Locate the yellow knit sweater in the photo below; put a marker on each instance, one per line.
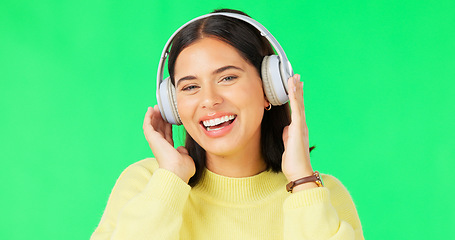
(152, 203)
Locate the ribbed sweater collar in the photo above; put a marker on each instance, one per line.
(240, 190)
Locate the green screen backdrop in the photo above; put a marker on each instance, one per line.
(77, 78)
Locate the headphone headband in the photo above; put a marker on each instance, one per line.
(285, 68)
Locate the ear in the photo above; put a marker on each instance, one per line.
(266, 102)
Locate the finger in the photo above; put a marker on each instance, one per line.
(295, 101)
(146, 126)
(158, 123)
(301, 95)
(293, 91)
(182, 150)
(302, 101)
(285, 135)
(148, 114)
(168, 133)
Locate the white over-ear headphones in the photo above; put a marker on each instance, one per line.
(275, 69)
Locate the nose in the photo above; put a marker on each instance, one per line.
(210, 97)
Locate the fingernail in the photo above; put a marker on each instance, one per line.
(294, 89)
(298, 77)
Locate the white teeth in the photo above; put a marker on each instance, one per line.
(216, 121)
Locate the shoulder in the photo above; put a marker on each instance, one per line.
(342, 201)
(339, 194)
(145, 165)
(334, 185)
(136, 175)
(129, 184)
(331, 181)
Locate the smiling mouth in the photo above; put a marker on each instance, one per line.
(218, 123)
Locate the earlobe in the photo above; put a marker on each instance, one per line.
(266, 102)
(267, 105)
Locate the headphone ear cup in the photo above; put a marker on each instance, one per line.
(272, 82)
(168, 102)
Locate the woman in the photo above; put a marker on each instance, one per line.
(229, 181)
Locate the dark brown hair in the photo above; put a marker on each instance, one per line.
(252, 47)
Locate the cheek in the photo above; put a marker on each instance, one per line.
(251, 94)
(186, 107)
(250, 103)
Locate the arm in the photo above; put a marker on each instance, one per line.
(312, 212)
(148, 198)
(322, 213)
(144, 204)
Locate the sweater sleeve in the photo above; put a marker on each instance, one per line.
(146, 203)
(322, 213)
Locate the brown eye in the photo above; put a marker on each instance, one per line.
(189, 88)
(229, 78)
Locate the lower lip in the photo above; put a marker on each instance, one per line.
(219, 132)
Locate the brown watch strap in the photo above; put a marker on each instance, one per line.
(313, 178)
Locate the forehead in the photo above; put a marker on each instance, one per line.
(206, 54)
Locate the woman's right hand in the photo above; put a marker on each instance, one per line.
(159, 136)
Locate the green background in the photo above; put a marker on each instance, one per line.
(78, 76)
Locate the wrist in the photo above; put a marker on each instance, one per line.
(299, 174)
(304, 186)
(181, 174)
(309, 181)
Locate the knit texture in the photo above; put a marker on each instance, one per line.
(152, 203)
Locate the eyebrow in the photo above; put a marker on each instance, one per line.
(217, 71)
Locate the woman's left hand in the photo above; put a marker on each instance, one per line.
(296, 157)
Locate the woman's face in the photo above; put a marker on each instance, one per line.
(220, 98)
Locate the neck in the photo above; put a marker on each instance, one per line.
(242, 164)
(227, 190)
